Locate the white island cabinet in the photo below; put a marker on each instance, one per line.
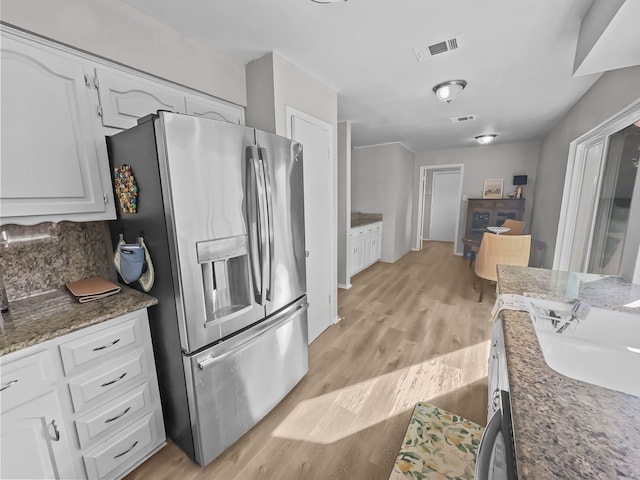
(84, 405)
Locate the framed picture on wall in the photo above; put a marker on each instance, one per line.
(492, 188)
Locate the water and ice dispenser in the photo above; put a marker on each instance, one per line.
(225, 278)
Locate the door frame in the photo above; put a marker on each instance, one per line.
(572, 183)
(421, 189)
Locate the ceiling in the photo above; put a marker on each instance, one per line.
(517, 58)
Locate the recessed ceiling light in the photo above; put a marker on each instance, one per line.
(484, 139)
(449, 90)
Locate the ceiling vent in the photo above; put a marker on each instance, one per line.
(424, 53)
(463, 118)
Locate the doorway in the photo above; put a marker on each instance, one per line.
(316, 138)
(439, 202)
(444, 206)
(599, 228)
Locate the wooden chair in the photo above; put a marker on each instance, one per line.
(500, 250)
(516, 227)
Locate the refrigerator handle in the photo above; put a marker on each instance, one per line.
(253, 214)
(265, 162)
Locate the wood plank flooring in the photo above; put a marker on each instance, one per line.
(410, 331)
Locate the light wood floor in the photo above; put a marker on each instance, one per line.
(410, 331)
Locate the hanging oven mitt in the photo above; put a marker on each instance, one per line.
(129, 260)
(147, 279)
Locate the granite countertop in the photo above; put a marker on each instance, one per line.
(565, 428)
(43, 317)
(359, 218)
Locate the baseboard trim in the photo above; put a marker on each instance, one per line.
(344, 287)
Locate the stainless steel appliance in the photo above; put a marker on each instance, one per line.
(496, 458)
(220, 208)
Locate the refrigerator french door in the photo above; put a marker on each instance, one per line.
(220, 208)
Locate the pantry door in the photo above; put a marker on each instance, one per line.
(316, 138)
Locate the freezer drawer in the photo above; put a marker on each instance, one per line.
(237, 382)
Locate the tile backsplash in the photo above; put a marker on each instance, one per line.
(45, 257)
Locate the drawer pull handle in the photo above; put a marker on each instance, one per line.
(55, 431)
(127, 450)
(112, 419)
(107, 345)
(10, 384)
(114, 380)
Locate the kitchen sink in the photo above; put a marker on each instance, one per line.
(593, 345)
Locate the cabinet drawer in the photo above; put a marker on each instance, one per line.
(23, 379)
(101, 344)
(115, 415)
(122, 448)
(98, 382)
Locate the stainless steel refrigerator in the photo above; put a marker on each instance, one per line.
(220, 208)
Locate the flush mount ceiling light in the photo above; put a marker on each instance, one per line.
(447, 91)
(484, 139)
(328, 1)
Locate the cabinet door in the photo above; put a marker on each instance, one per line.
(125, 98)
(49, 155)
(34, 443)
(216, 110)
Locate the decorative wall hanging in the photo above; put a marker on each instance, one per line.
(126, 188)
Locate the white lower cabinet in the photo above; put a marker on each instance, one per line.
(34, 442)
(365, 247)
(84, 405)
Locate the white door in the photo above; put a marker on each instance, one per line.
(444, 206)
(316, 142)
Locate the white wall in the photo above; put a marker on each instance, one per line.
(482, 162)
(610, 94)
(381, 179)
(273, 84)
(118, 32)
(261, 110)
(344, 200)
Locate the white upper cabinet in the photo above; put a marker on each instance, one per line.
(125, 98)
(50, 166)
(212, 108)
(57, 107)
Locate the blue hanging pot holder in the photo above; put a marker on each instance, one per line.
(131, 261)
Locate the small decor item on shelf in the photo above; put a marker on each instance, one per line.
(518, 182)
(492, 188)
(498, 230)
(126, 188)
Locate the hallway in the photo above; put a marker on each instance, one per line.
(410, 331)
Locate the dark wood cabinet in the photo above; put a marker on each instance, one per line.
(482, 213)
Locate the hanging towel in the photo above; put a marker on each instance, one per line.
(147, 278)
(509, 301)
